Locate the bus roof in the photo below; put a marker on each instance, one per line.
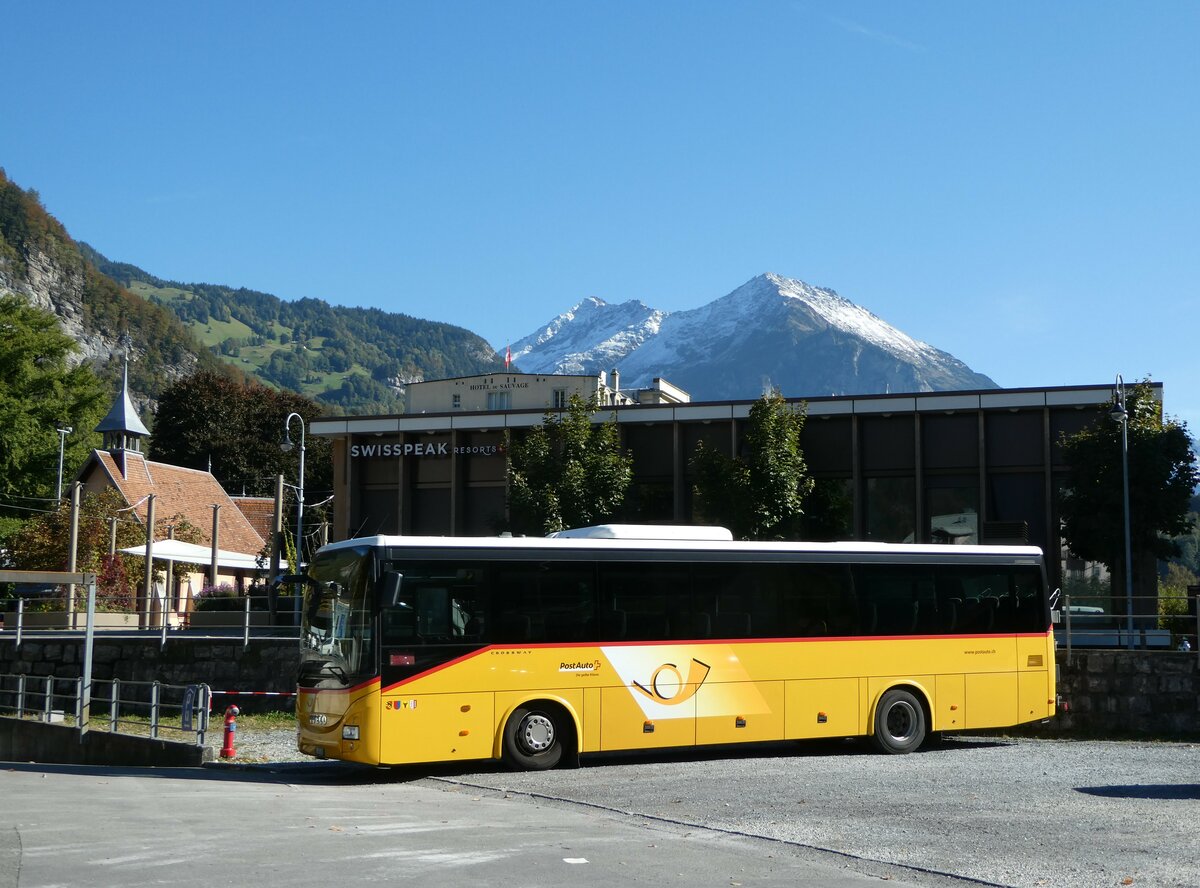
(678, 543)
(660, 532)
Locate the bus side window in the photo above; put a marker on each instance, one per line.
(433, 611)
(398, 624)
(889, 607)
(399, 615)
(1030, 611)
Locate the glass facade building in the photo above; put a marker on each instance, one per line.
(952, 468)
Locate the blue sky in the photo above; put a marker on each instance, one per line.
(1014, 183)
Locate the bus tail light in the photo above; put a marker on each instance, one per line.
(395, 659)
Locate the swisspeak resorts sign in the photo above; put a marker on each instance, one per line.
(435, 449)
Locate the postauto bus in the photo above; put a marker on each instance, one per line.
(537, 650)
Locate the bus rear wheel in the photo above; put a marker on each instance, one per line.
(533, 738)
(899, 723)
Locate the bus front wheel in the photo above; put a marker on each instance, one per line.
(533, 738)
(899, 722)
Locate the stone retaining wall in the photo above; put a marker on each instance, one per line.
(268, 664)
(1129, 693)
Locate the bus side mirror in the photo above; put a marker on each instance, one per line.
(391, 587)
(1054, 596)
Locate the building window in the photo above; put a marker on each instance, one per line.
(560, 399)
(499, 401)
(891, 509)
(952, 510)
(456, 401)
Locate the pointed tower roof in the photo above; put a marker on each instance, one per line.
(123, 416)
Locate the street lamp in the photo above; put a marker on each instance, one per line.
(63, 431)
(286, 445)
(1121, 415)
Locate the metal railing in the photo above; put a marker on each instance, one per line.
(142, 708)
(1162, 623)
(246, 615)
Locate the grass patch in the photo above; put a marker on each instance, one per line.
(264, 721)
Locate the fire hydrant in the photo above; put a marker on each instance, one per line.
(228, 751)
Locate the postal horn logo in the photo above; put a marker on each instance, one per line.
(667, 685)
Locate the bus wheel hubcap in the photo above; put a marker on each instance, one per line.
(900, 721)
(537, 733)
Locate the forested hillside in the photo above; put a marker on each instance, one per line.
(354, 360)
(41, 263)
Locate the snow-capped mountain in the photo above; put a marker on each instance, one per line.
(590, 337)
(771, 331)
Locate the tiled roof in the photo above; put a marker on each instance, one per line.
(259, 511)
(177, 491)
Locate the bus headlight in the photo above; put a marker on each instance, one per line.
(350, 732)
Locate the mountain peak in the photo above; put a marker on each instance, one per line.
(806, 340)
(587, 338)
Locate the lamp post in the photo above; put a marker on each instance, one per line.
(1120, 415)
(63, 431)
(286, 445)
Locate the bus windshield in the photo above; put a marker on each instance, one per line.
(336, 632)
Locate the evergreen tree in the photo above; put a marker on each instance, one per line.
(759, 495)
(567, 472)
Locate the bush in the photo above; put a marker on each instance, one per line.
(114, 592)
(219, 598)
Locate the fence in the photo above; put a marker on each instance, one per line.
(1139, 622)
(245, 615)
(148, 709)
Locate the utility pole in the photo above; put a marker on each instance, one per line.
(148, 585)
(276, 546)
(169, 593)
(73, 550)
(216, 529)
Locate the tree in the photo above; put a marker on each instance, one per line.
(41, 544)
(238, 426)
(38, 394)
(1173, 601)
(567, 472)
(1189, 543)
(1162, 476)
(759, 495)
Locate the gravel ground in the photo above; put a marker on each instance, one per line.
(1077, 814)
(256, 746)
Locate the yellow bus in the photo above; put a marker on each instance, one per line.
(536, 651)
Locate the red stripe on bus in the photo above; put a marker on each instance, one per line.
(448, 663)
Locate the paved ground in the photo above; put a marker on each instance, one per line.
(1069, 814)
(976, 811)
(322, 825)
